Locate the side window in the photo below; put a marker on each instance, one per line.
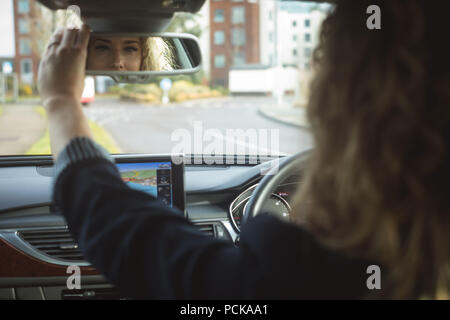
(24, 47)
(238, 15)
(238, 36)
(219, 37)
(24, 26)
(219, 61)
(219, 15)
(23, 6)
(239, 58)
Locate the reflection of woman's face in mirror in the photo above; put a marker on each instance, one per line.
(114, 53)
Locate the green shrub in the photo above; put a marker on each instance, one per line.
(114, 89)
(25, 90)
(141, 92)
(184, 90)
(181, 90)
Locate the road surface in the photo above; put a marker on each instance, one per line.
(141, 128)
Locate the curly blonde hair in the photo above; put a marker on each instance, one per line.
(377, 185)
(156, 54)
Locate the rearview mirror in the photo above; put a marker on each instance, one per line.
(137, 58)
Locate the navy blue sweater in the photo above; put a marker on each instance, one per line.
(151, 251)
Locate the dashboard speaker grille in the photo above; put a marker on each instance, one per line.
(57, 243)
(60, 244)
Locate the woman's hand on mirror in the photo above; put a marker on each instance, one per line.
(62, 68)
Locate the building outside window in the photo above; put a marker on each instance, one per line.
(26, 70)
(219, 37)
(239, 58)
(219, 61)
(238, 15)
(219, 15)
(26, 66)
(238, 36)
(24, 6)
(24, 47)
(307, 52)
(24, 26)
(307, 37)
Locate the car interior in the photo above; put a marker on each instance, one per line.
(216, 192)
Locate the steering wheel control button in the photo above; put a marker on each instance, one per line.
(237, 242)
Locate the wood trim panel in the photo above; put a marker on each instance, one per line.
(15, 263)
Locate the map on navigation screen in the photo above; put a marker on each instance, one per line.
(151, 177)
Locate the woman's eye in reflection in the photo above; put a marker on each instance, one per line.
(131, 49)
(101, 47)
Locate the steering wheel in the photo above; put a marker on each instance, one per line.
(286, 167)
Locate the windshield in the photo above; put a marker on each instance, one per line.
(249, 98)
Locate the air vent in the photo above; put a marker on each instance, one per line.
(57, 243)
(206, 228)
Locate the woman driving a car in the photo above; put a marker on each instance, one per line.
(374, 194)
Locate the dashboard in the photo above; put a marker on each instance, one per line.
(36, 245)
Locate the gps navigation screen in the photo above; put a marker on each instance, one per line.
(153, 178)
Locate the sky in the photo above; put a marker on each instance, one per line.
(6, 28)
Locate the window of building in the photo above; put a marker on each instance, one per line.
(270, 15)
(219, 61)
(307, 52)
(219, 15)
(294, 52)
(307, 23)
(307, 37)
(238, 15)
(24, 47)
(219, 37)
(24, 26)
(24, 6)
(294, 37)
(270, 36)
(26, 66)
(294, 23)
(239, 58)
(238, 36)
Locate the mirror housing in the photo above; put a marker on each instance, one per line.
(127, 16)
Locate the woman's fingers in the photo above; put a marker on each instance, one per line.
(83, 37)
(55, 40)
(69, 38)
